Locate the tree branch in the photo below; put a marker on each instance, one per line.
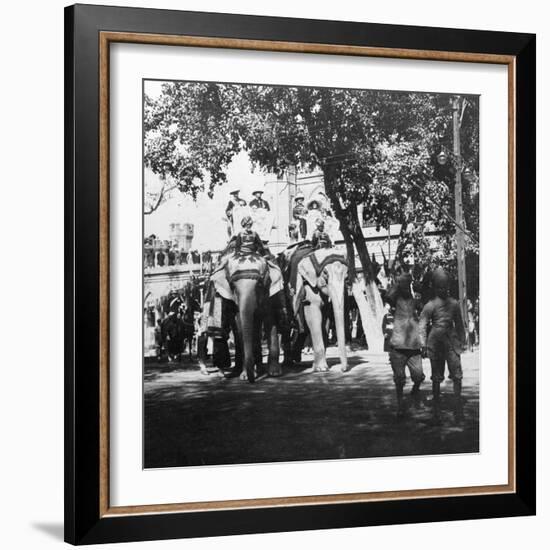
(160, 198)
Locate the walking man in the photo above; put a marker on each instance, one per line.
(445, 342)
(405, 343)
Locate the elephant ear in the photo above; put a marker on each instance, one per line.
(307, 271)
(220, 282)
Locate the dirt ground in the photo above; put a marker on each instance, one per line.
(194, 419)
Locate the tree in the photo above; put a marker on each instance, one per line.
(376, 148)
(189, 139)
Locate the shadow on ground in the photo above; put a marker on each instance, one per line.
(193, 419)
(53, 530)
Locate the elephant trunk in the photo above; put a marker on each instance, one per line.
(248, 305)
(337, 299)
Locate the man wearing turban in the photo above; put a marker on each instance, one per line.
(405, 345)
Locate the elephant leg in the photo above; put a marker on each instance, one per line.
(240, 351)
(297, 346)
(282, 321)
(258, 360)
(314, 320)
(249, 337)
(287, 350)
(229, 324)
(202, 352)
(326, 325)
(340, 333)
(273, 366)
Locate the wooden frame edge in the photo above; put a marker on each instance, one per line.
(301, 47)
(512, 402)
(311, 500)
(104, 270)
(105, 38)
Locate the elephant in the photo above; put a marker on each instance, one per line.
(255, 285)
(320, 274)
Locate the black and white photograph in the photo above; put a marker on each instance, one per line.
(310, 279)
(274, 275)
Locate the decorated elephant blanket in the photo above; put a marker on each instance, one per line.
(250, 266)
(309, 268)
(292, 257)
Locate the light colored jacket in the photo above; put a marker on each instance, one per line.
(405, 321)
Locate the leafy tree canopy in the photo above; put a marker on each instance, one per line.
(376, 148)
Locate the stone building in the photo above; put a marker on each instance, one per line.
(181, 235)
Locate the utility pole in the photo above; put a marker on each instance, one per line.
(457, 106)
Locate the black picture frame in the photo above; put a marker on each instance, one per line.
(84, 523)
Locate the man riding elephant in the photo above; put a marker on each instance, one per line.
(249, 278)
(248, 241)
(320, 238)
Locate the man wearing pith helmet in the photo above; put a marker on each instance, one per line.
(445, 342)
(299, 213)
(233, 201)
(258, 201)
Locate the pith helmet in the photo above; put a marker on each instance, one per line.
(313, 202)
(404, 279)
(299, 195)
(440, 277)
(257, 191)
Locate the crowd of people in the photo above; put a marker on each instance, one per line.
(157, 253)
(258, 209)
(176, 325)
(305, 220)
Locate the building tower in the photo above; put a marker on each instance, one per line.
(280, 192)
(182, 235)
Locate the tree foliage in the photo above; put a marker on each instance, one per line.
(376, 148)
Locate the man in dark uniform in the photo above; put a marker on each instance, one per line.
(158, 340)
(257, 201)
(299, 214)
(233, 201)
(172, 333)
(320, 238)
(445, 341)
(248, 241)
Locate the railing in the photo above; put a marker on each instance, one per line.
(161, 255)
